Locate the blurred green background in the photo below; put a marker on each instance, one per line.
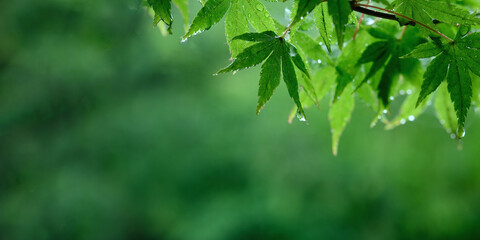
(108, 130)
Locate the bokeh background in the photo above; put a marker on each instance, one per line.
(109, 130)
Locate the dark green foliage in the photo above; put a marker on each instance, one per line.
(339, 10)
(162, 10)
(282, 57)
(378, 63)
(454, 62)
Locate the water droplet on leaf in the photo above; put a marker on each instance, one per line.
(301, 116)
(460, 132)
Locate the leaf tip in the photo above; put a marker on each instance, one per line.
(335, 149)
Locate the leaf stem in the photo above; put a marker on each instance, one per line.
(403, 32)
(410, 19)
(358, 27)
(287, 30)
(359, 24)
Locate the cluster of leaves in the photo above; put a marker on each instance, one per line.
(351, 49)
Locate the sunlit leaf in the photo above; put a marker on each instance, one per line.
(339, 116)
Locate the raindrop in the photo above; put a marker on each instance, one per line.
(460, 132)
(411, 118)
(260, 7)
(301, 116)
(409, 91)
(319, 61)
(385, 111)
(453, 136)
(402, 92)
(392, 98)
(403, 121)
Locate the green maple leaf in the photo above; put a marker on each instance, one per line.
(445, 110)
(453, 61)
(303, 8)
(239, 15)
(324, 23)
(211, 13)
(346, 66)
(340, 11)
(425, 11)
(162, 9)
(386, 54)
(339, 115)
(279, 58)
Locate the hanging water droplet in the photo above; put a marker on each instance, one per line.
(411, 118)
(260, 7)
(403, 121)
(301, 116)
(460, 132)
